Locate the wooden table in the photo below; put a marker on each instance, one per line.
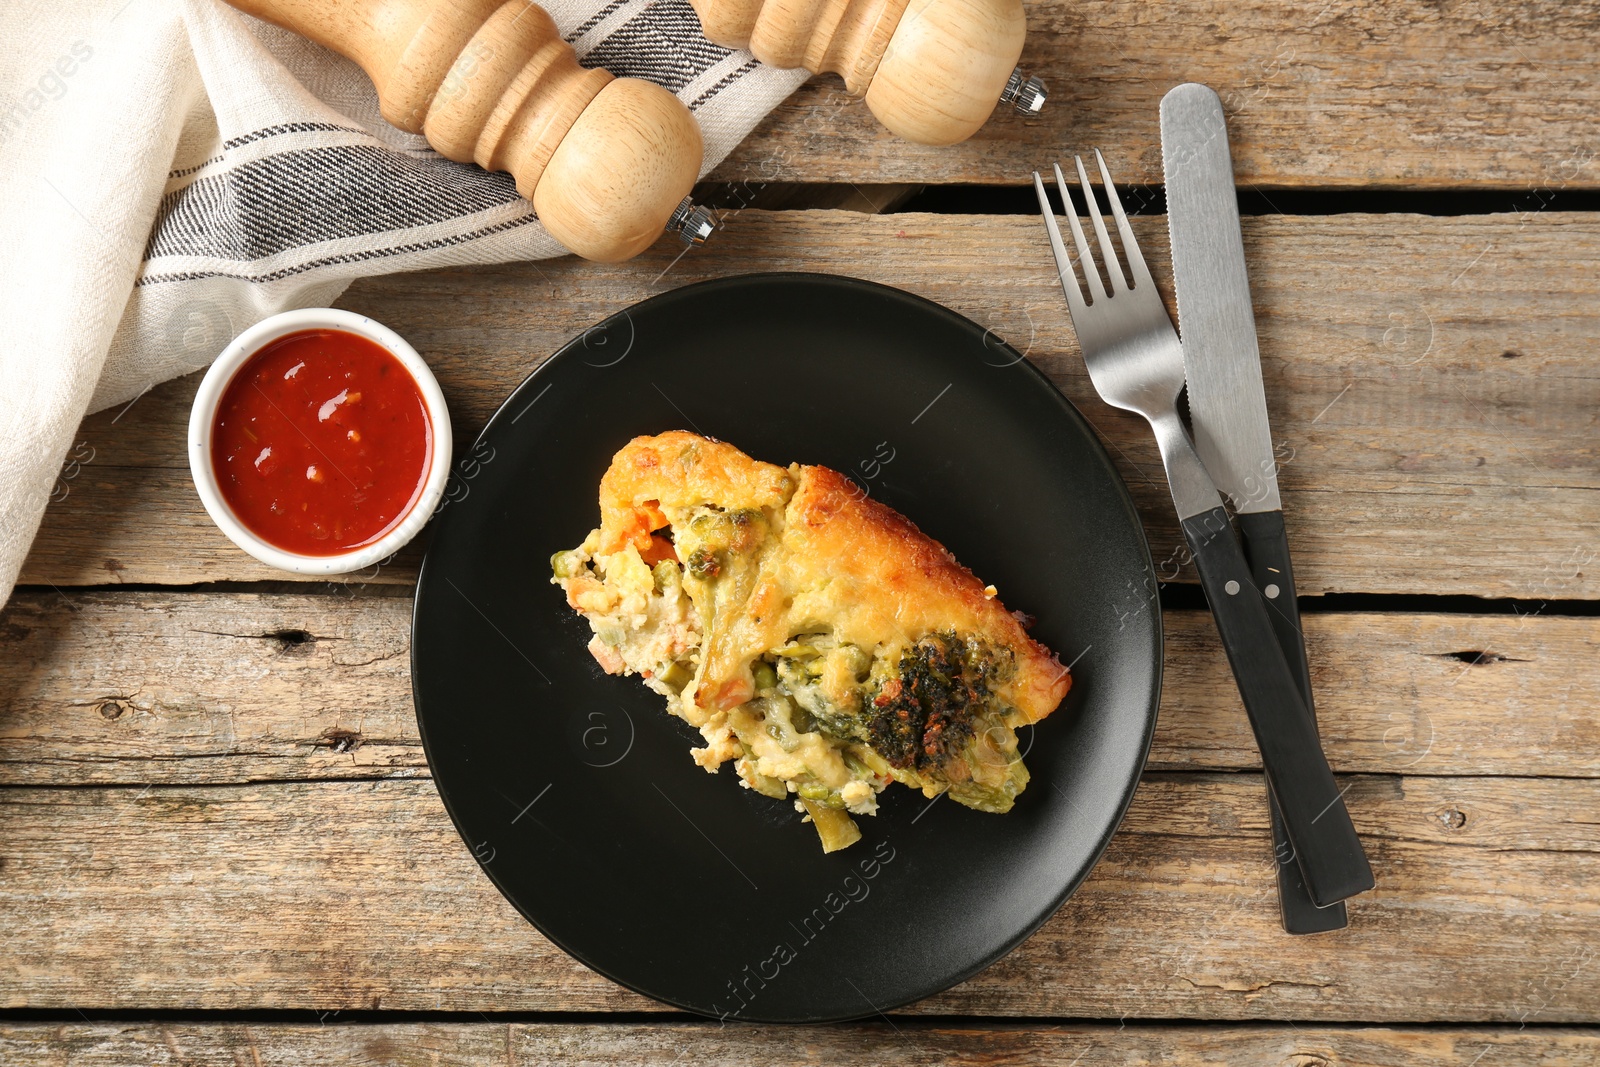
(219, 842)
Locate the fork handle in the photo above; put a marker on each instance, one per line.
(1319, 827)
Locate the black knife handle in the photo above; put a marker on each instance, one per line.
(1266, 546)
(1324, 839)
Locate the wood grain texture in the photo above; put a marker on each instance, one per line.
(360, 895)
(1343, 93)
(907, 1043)
(137, 688)
(1431, 383)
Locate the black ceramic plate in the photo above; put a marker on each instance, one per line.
(575, 790)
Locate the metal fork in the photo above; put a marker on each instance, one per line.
(1135, 361)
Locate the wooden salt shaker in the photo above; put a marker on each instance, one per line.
(932, 70)
(608, 162)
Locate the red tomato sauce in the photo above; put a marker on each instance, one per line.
(321, 443)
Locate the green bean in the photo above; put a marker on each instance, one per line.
(820, 794)
(676, 676)
(768, 786)
(803, 722)
(852, 761)
(766, 677)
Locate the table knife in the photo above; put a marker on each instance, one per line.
(1228, 409)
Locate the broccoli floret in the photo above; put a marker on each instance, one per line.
(925, 713)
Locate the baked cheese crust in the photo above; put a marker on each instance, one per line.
(814, 636)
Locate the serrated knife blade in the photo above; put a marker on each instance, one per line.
(1227, 403)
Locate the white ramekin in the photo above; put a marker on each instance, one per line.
(203, 416)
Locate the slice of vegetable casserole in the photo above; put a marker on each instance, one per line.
(815, 637)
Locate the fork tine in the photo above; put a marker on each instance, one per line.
(1091, 273)
(1069, 280)
(1114, 274)
(1136, 267)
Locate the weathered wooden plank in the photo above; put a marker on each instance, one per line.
(1431, 382)
(138, 688)
(142, 687)
(1342, 93)
(265, 896)
(903, 1043)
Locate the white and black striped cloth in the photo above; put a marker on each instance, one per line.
(172, 171)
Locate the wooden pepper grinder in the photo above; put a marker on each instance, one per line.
(931, 70)
(608, 162)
